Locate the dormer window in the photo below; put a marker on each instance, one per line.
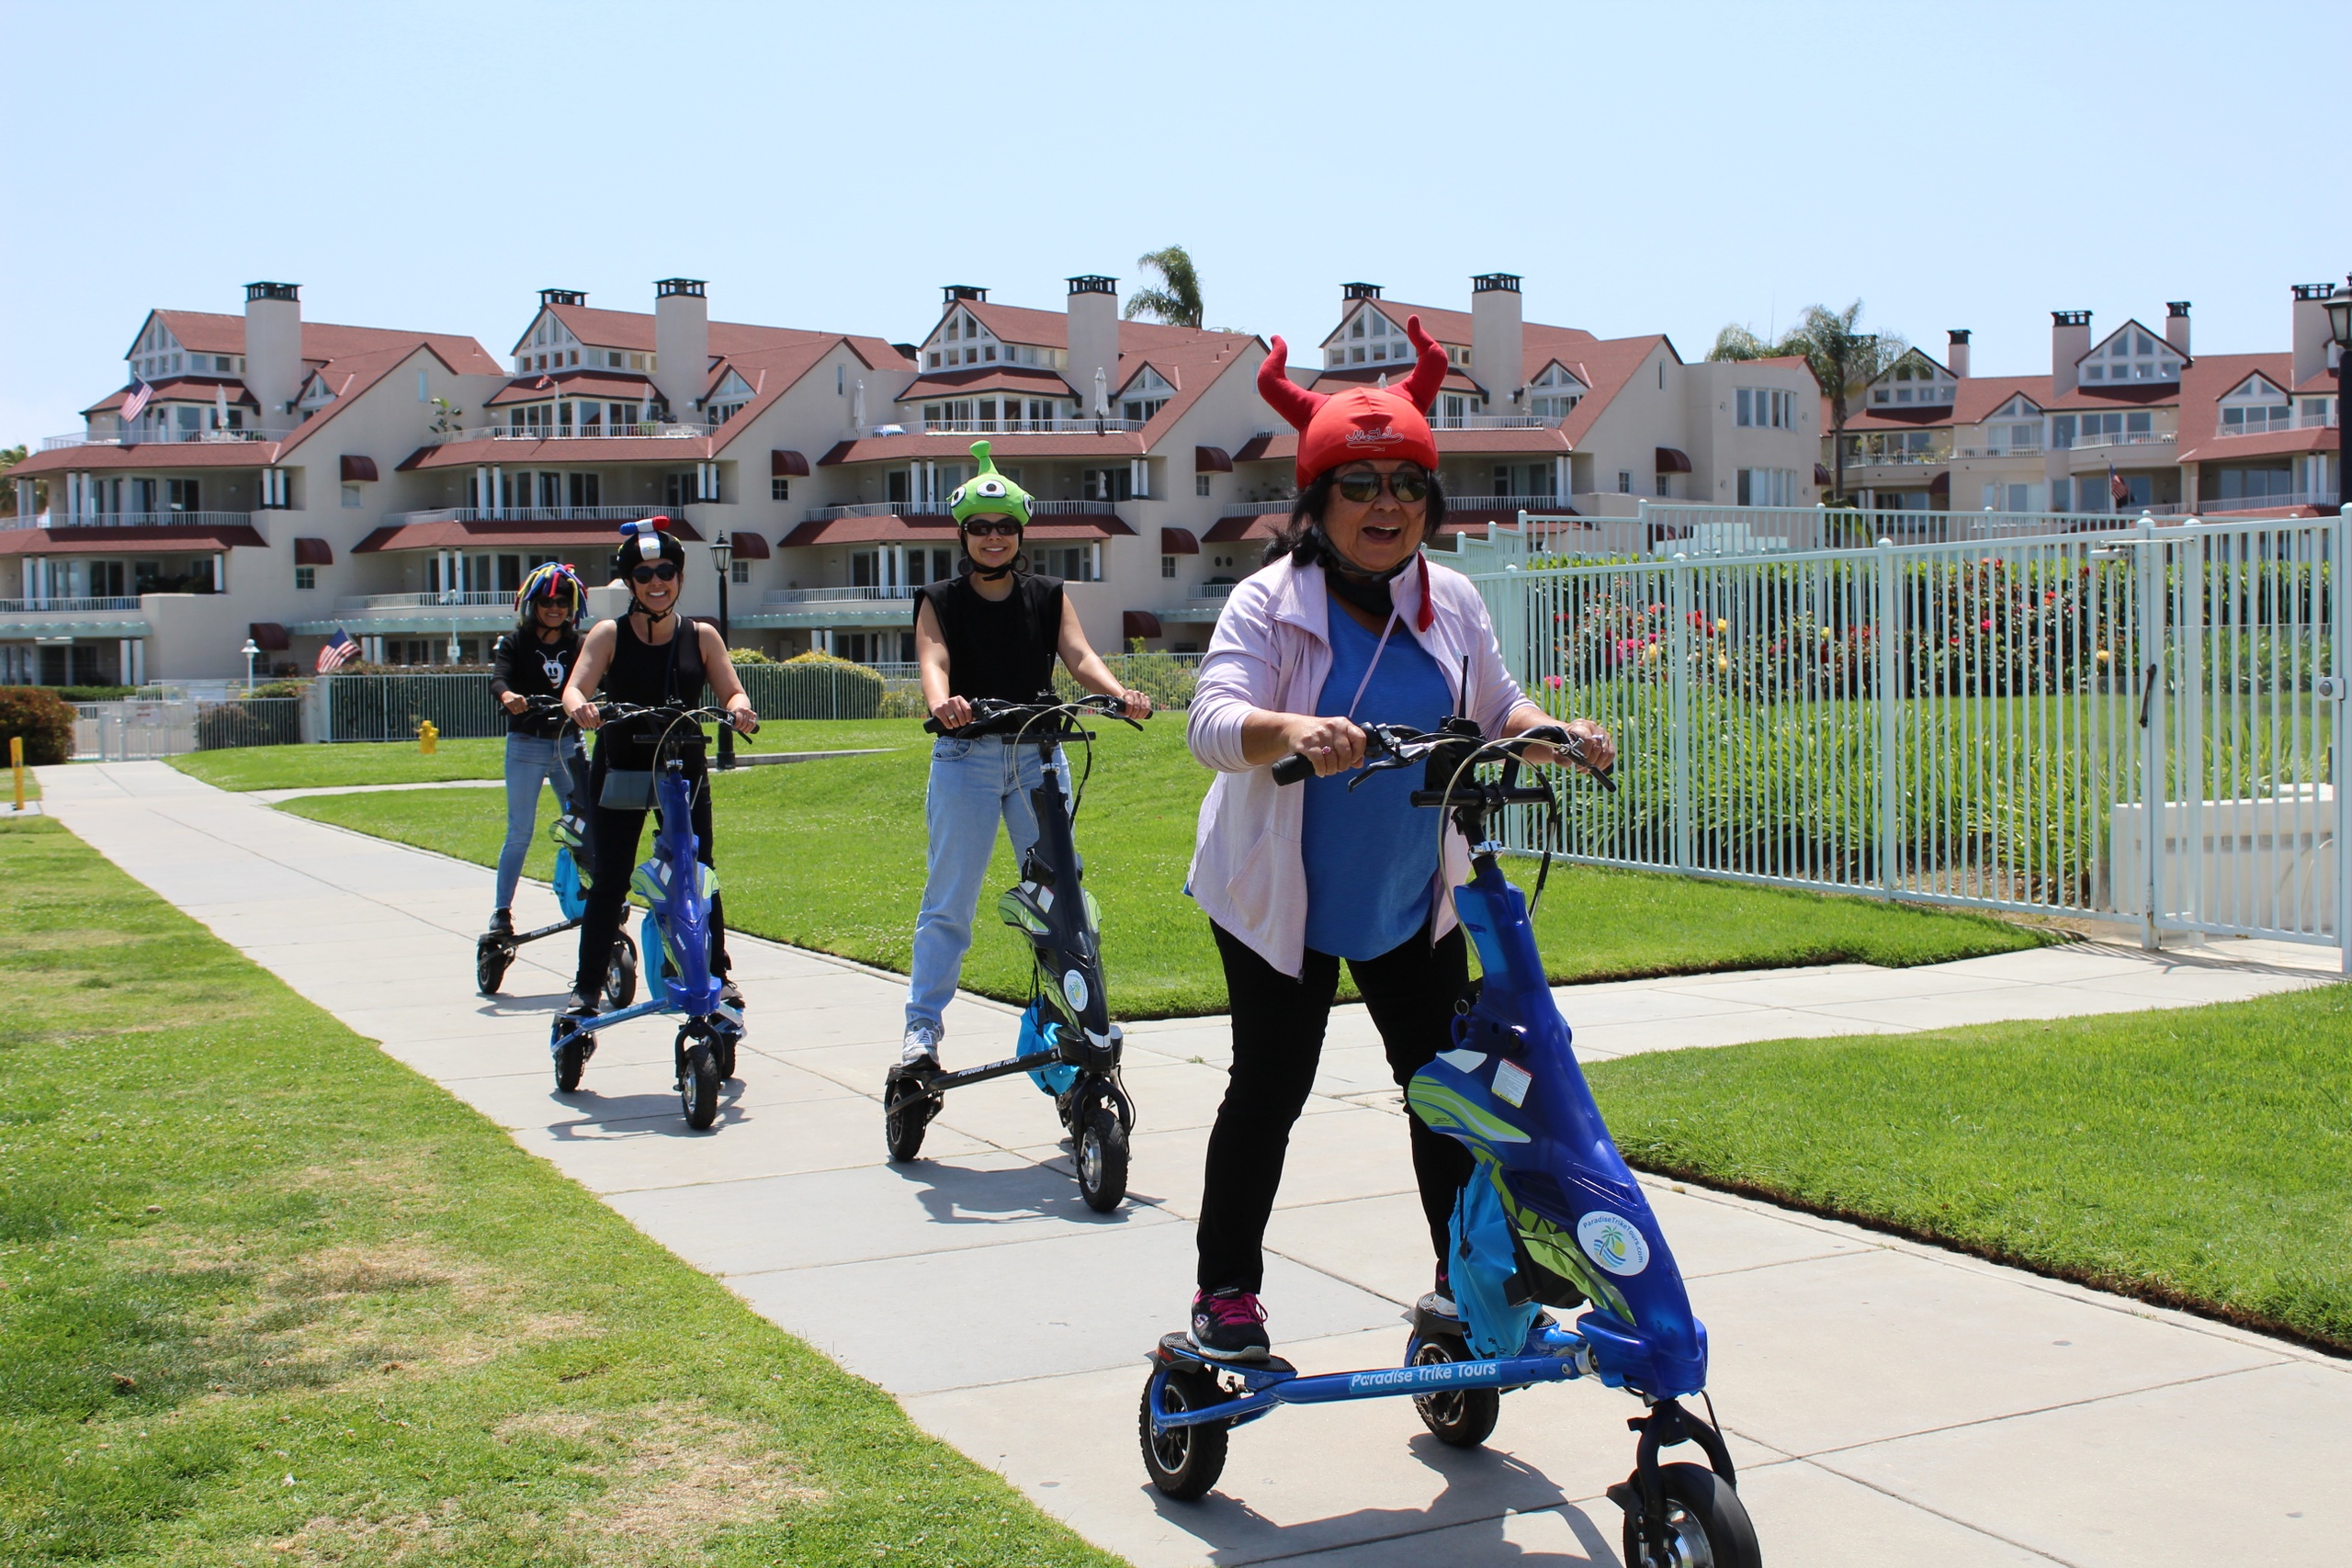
(2133, 354)
(1913, 379)
(2255, 407)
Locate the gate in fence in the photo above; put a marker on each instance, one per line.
(2141, 724)
(144, 729)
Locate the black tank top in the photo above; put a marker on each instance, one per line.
(649, 675)
(1001, 648)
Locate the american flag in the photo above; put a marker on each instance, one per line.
(338, 652)
(2119, 489)
(136, 405)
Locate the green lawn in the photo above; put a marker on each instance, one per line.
(267, 1296)
(2201, 1157)
(829, 855)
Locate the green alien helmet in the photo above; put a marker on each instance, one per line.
(989, 492)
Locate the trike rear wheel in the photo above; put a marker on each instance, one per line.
(1706, 1526)
(620, 975)
(1183, 1461)
(1460, 1419)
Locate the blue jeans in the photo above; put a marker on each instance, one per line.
(530, 762)
(973, 785)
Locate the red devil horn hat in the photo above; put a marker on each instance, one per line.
(1362, 422)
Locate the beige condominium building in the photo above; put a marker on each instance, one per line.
(1553, 420)
(227, 501)
(2128, 421)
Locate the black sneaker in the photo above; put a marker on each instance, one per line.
(501, 922)
(1229, 1325)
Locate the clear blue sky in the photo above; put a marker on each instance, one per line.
(1646, 167)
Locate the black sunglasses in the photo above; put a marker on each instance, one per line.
(660, 571)
(1004, 527)
(1407, 485)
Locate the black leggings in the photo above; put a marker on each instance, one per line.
(613, 839)
(1278, 1025)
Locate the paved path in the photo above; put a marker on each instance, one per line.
(1889, 1404)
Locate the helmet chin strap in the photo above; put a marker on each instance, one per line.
(993, 575)
(653, 618)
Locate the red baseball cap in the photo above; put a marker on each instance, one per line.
(1362, 422)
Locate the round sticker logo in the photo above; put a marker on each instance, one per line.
(1611, 1241)
(1074, 988)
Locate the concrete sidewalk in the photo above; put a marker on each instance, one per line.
(1889, 1404)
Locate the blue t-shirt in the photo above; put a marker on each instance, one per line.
(1370, 855)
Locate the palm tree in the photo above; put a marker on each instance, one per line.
(1843, 359)
(1177, 301)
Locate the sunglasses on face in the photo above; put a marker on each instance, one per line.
(660, 571)
(1407, 485)
(1005, 528)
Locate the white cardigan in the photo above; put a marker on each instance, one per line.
(1272, 652)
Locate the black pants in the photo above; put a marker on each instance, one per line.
(613, 842)
(1278, 1025)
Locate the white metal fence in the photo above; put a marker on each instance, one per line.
(144, 729)
(1992, 724)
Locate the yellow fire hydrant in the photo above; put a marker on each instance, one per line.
(428, 735)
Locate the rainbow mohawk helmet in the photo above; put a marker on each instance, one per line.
(988, 491)
(551, 580)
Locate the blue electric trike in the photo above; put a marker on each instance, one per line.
(1550, 1217)
(676, 890)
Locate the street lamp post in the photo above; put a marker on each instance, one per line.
(722, 555)
(2339, 327)
(252, 651)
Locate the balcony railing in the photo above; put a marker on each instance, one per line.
(664, 431)
(2126, 438)
(527, 514)
(163, 437)
(1021, 427)
(939, 509)
(1494, 504)
(131, 520)
(1896, 459)
(2273, 426)
(82, 605)
(1255, 508)
(2035, 450)
(472, 598)
(1494, 422)
(835, 595)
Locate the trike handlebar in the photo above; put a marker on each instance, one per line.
(1033, 724)
(1388, 746)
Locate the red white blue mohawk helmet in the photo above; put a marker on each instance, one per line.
(647, 539)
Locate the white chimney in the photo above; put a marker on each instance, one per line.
(1956, 356)
(1498, 340)
(274, 350)
(2312, 337)
(2177, 326)
(2070, 339)
(681, 343)
(1094, 334)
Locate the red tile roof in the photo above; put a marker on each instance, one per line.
(157, 456)
(504, 533)
(179, 389)
(574, 449)
(570, 384)
(205, 332)
(1115, 445)
(968, 380)
(123, 541)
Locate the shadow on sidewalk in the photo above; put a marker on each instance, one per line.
(1487, 1489)
(952, 1195)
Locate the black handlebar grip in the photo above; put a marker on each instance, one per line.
(1293, 769)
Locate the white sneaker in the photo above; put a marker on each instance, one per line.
(921, 1042)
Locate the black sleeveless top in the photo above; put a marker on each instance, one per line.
(649, 675)
(1001, 648)
(523, 664)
